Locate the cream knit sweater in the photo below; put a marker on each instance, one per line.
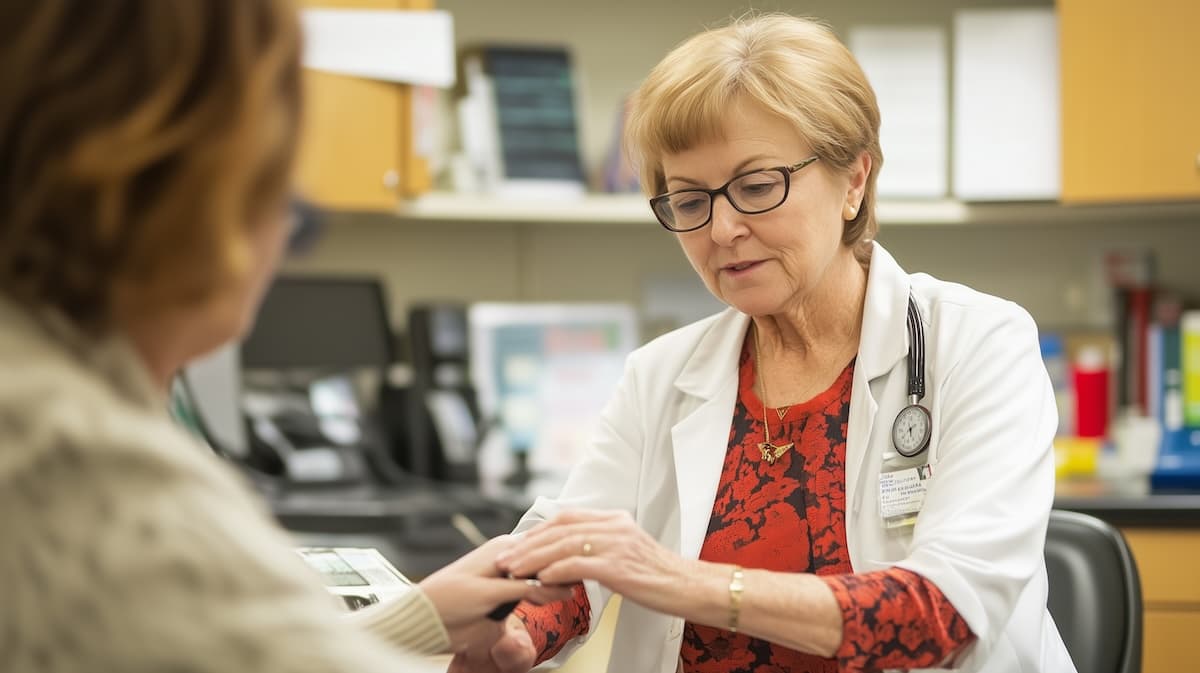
(126, 547)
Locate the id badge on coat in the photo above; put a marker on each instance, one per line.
(902, 494)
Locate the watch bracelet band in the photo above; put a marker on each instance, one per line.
(736, 586)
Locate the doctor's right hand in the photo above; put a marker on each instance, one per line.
(511, 652)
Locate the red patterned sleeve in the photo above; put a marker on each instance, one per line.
(551, 626)
(895, 618)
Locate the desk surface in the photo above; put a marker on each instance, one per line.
(364, 503)
(410, 524)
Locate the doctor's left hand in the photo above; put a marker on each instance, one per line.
(605, 546)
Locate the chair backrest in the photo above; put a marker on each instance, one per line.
(1095, 595)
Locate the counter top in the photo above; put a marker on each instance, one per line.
(1124, 508)
(395, 510)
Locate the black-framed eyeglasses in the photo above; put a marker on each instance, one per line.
(751, 193)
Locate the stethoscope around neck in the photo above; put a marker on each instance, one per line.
(914, 424)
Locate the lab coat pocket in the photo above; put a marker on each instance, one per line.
(895, 545)
(871, 565)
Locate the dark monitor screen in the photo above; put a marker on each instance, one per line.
(320, 323)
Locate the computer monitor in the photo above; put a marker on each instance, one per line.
(320, 323)
(211, 388)
(545, 372)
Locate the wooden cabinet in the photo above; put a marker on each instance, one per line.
(1166, 560)
(357, 147)
(1130, 100)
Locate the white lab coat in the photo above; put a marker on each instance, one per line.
(661, 443)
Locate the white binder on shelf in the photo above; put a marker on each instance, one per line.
(907, 68)
(1006, 105)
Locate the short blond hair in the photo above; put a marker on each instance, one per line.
(138, 138)
(794, 68)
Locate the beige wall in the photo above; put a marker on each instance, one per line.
(1049, 269)
(496, 261)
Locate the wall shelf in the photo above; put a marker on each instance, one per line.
(587, 209)
(632, 209)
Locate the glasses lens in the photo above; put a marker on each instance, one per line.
(758, 191)
(683, 210)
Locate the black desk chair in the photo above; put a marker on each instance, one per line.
(1095, 595)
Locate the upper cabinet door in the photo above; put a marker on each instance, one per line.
(356, 146)
(1130, 100)
(350, 148)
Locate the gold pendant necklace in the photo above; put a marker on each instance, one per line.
(770, 452)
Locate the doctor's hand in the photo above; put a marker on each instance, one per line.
(465, 591)
(512, 651)
(605, 546)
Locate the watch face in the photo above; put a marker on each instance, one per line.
(910, 432)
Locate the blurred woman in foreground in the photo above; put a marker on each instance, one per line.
(145, 156)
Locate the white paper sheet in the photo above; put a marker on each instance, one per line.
(1006, 109)
(360, 575)
(906, 66)
(410, 47)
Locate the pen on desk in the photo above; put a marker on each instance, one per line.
(469, 530)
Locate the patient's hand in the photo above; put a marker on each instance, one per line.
(511, 651)
(465, 591)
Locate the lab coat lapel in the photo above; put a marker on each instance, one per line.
(883, 343)
(700, 439)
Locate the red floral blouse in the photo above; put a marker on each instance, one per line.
(790, 517)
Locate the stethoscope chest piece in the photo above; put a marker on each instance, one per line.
(914, 424)
(911, 430)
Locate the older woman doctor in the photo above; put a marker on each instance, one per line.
(848, 469)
